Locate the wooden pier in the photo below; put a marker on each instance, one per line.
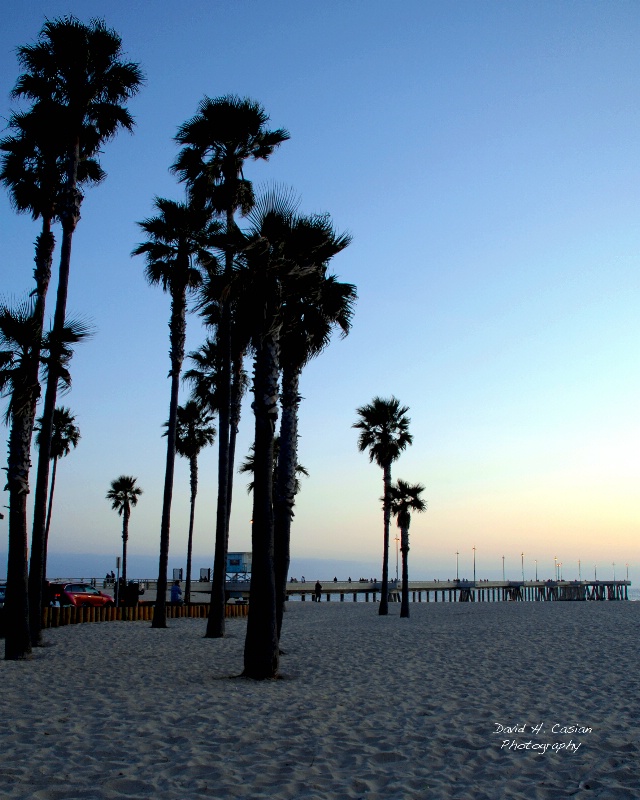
(419, 591)
(466, 591)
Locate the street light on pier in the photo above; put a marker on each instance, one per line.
(627, 572)
(474, 563)
(555, 568)
(457, 554)
(595, 572)
(614, 571)
(503, 569)
(579, 571)
(522, 565)
(536, 570)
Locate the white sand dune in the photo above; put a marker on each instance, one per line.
(369, 707)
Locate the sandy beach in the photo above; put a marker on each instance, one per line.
(368, 707)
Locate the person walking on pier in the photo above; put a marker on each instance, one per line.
(318, 591)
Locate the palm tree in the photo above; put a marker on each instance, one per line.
(76, 77)
(123, 495)
(224, 134)
(405, 498)
(21, 340)
(283, 253)
(193, 432)
(179, 238)
(66, 435)
(319, 304)
(384, 427)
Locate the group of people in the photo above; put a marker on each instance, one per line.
(110, 579)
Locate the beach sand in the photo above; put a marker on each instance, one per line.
(371, 707)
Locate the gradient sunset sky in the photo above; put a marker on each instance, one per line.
(485, 157)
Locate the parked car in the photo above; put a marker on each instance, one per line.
(78, 594)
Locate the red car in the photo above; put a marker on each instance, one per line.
(78, 594)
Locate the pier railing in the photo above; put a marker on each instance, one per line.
(469, 591)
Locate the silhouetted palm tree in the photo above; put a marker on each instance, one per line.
(194, 430)
(21, 340)
(384, 428)
(405, 498)
(76, 76)
(179, 241)
(319, 304)
(224, 134)
(123, 495)
(66, 435)
(283, 254)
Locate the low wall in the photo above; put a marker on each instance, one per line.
(54, 617)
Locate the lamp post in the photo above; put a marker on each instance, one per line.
(474, 563)
(614, 571)
(579, 572)
(555, 568)
(522, 564)
(536, 570)
(627, 572)
(595, 572)
(503, 569)
(457, 554)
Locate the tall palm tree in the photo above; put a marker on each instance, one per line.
(21, 343)
(319, 304)
(283, 252)
(66, 436)
(384, 431)
(76, 75)
(179, 240)
(19, 339)
(123, 495)
(405, 498)
(194, 430)
(225, 133)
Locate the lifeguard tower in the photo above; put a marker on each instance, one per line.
(238, 577)
(238, 568)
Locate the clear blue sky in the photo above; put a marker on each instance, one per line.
(485, 158)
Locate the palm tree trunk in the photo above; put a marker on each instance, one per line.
(125, 538)
(261, 643)
(54, 470)
(16, 610)
(193, 463)
(178, 335)
(216, 620)
(69, 215)
(234, 425)
(384, 599)
(45, 244)
(285, 489)
(404, 547)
